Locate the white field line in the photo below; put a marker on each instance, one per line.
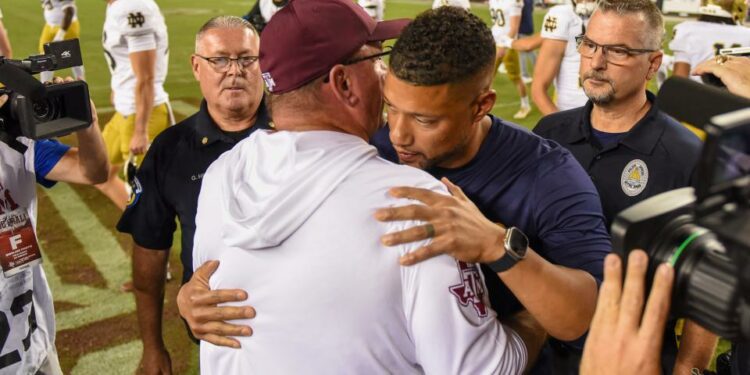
(106, 253)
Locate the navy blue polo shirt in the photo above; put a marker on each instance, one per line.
(519, 179)
(169, 180)
(658, 154)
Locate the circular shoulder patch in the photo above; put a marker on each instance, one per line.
(135, 191)
(634, 178)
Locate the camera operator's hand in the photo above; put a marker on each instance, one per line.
(87, 163)
(139, 143)
(733, 71)
(3, 100)
(624, 338)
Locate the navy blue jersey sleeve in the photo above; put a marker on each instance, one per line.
(149, 217)
(47, 153)
(569, 216)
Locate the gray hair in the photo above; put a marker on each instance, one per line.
(223, 22)
(653, 34)
(302, 99)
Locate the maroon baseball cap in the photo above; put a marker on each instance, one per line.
(307, 38)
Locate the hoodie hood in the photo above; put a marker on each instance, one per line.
(272, 182)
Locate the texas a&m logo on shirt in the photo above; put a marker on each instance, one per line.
(471, 289)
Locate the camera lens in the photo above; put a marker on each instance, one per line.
(47, 109)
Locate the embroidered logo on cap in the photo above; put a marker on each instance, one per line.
(471, 289)
(634, 178)
(269, 81)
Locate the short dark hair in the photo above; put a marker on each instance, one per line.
(441, 46)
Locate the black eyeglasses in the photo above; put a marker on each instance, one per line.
(377, 56)
(614, 54)
(221, 63)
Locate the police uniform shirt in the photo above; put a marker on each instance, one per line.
(169, 180)
(658, 154)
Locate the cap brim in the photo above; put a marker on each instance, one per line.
(390, 29)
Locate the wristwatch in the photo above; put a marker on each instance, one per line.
(516, 243)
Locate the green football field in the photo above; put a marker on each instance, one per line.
(85, 259)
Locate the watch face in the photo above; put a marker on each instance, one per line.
(517, 242)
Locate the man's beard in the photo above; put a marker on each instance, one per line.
(599, 98)
(429, 163)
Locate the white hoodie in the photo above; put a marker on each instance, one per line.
(290, 217)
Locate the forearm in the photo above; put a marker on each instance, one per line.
(499, 54)
(531, 332)
(561, 299)
(5, 49)
(149, 272)
(92, 154)
(144, 103)
(697, 346)
(527, 44)
(515, 23)
(541, 98)
(68, 18)
(681, 69)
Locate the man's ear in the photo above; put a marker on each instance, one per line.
(341, 85)
(485, 102)
(654, 64)
(194, 64)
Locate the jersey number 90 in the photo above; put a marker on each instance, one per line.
(498, 18)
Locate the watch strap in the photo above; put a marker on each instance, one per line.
(504, 263)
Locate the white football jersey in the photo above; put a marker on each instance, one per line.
(268, 8)
(26, 337)
(331, 298)
(375, 8)
(501, 12)
(133, 26)
(54, 10)
(465, 4)
(698, 41)
(562, 23)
